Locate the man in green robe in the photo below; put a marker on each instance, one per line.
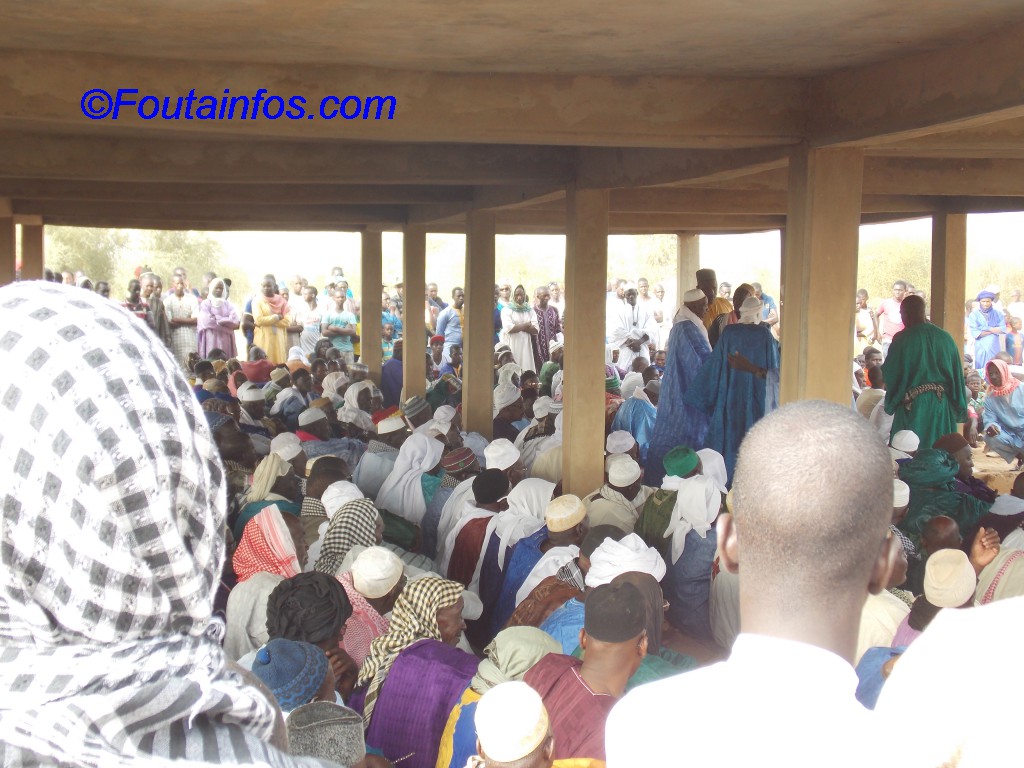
(924, 377)
(931, 475)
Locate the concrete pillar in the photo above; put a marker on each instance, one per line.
(819, 273)
(369, 298)
(8, 257)
(687, 263)
(32, 251)
(414, 329)
(586, 271)
(949, 274)
(478, 334)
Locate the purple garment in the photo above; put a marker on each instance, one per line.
(210, 334)
(425, 683)
(905, 634)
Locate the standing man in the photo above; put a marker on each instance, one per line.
(557, 301)
(725, 291)
(182, 311)
(890, 321)
(988, 329)
(924, 377)
(707, 281)
(450, 320)
(434, 306)
(309, 316)
(633, 330)
(549, 324)
(770, 313)
(340, 326)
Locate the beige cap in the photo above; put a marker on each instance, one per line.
(564, 512)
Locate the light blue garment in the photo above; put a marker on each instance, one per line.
(1007, 412)
(688, 586)
(564, 624)
(637, 417)
(449, 325)
(986, 347)
(735, 400)
(678, 423)
(340, 320)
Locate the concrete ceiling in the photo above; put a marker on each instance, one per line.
(784, 38)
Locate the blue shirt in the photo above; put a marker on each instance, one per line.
(450, 326)
(565, 624)
(340, 320)
(769, 305)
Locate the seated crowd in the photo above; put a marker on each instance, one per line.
(278, 562)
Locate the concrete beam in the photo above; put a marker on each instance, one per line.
(371, 267)
(32, 250)
(278, 162)
(414, 347)
(611, 168)
(957, 86)
(478, 332)
(46, 88)
(8, 249)
(949, 274)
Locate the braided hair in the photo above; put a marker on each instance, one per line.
(311, 607)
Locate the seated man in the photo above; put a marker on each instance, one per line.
(509, 408)
(932, 476)
(579, 695)
(956, 445)
(620, 499)
(789, 680)
(379, 458)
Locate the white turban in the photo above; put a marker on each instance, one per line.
(507, 371)
(632, 382)
(614, 558)
(338, 495)
(900, 494)
(504, 396)
(554, 345)
(623, 473)
(698, 501)
(501, 454)
(445, 413)
(751, 309)
(376, 572)
(542, 407)
(250, 394)
(905, 441)
(713, 465)
(286, 445)
(619, 441)
(692, 295)
(311, 415)
(511, 722)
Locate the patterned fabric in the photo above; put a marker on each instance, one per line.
(354, 525)
(183, 337)
(312, 507)
(267, 546)
(113, 546)
(571, 574)
(364, 625)
(413, 618)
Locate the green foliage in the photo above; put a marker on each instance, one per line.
(96, 252)
(884, 261)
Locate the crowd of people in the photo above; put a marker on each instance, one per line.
(226, 542)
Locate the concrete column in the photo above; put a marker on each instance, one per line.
(32, 251)
(687, 263)
(586, 270)
(478, 334)
(369, 298)
(8, 257)
(949, 274)
(414, 348)
(819, 273)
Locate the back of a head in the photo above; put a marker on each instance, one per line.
(875, 377)
(804, 525)
(311, 607)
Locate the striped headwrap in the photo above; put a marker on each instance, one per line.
(414, 618)
(114, 507)
(266, 545)
(354, 525)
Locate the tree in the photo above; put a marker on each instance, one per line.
(96, 252)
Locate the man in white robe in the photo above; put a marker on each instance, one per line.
(632, 331)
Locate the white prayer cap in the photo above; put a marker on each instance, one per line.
(376, 571)
(692, 295)
(338, 495)
(905, 441)
(251, 394)
(286, 445)
(750, 310)
(624, 473)
(542, 406)
(392, 423)
(897, 454)
(444, 413)
(311, 415)
(440, 426)
(900, 494)
(564, 512)
(501, 454)
(511, 722)
(619, 441)
(501, 346)
(949, 578)
(613, 558)
(556, 406)
(611, 460)
(554, 345)
(505, 395)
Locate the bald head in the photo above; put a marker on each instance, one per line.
(807, 532)
(941, 532)
(912, 311)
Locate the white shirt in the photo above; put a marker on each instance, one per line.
(879, 620)
(774, 702)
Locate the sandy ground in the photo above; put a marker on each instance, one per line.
(994, 471)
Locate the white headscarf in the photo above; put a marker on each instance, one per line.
(507, 371)
(350, 412)
(525, 514)
(215, 302)
(630, 554)
(401, 494)
(751, 310)
(631, 383)
(713, 466)
(684, 313)
(333, 382)
(296, 353)
(505, 395)
(338, 494)
(697, 503)
(556, 386)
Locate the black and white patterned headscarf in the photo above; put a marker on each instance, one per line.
(113, 541)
